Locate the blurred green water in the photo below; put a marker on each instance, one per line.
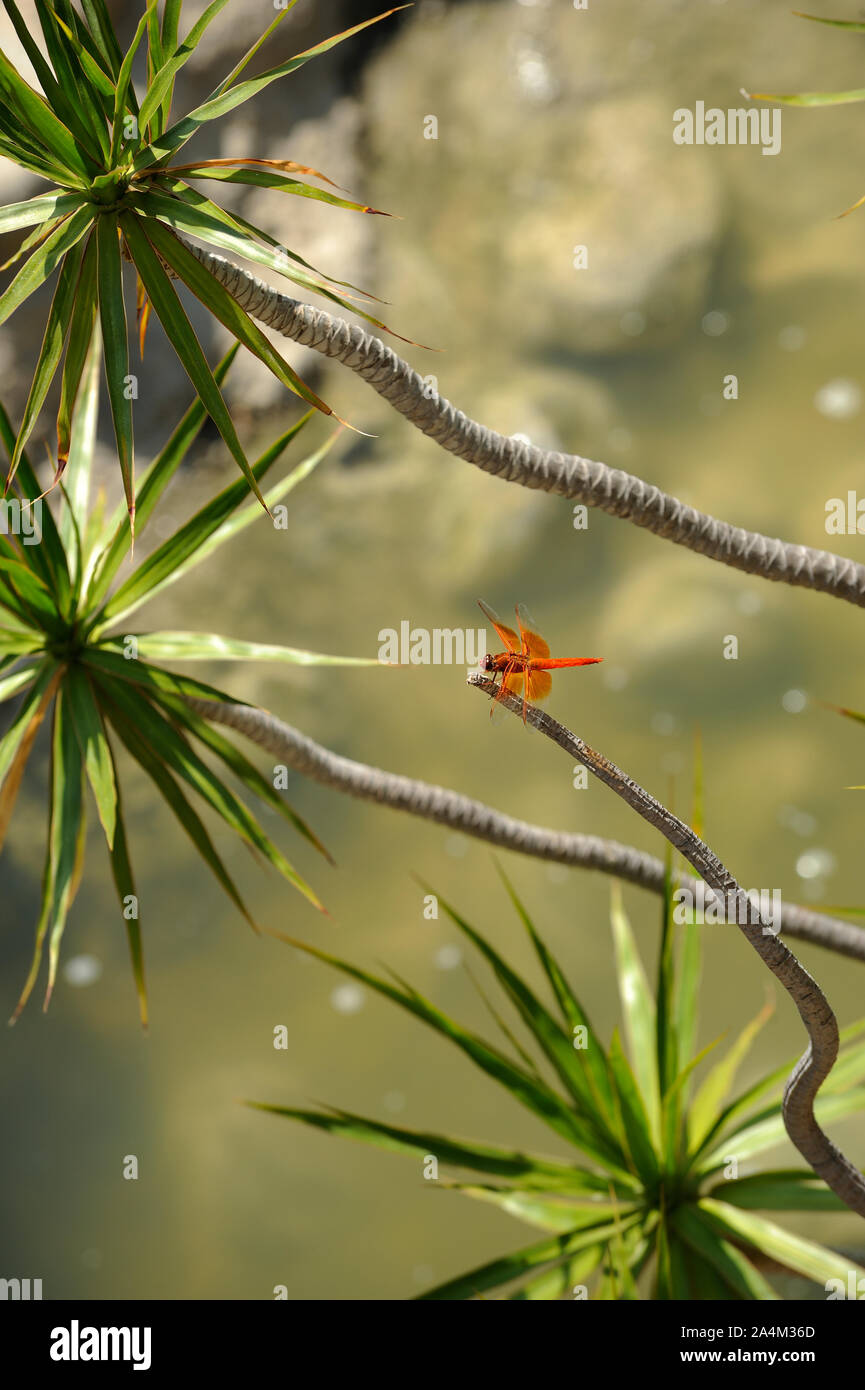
(230, 1203)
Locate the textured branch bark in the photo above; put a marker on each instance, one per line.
(567, 475)
(827, 1161)
(462, 813)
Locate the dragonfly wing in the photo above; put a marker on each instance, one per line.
(538, 685)
(512, 682)
(498, 712)
(507, 634)
(531, 643)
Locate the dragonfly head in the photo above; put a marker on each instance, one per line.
(487, 662)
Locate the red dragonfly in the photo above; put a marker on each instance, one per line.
(526, 663)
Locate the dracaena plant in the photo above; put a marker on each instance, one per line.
(121, 189)
(69, 657)
(650, 1203)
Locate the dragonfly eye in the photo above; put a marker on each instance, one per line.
(487, 663)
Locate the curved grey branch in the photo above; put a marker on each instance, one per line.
(474, 818)
(462, 813)
(812, 1069)
(567, 475)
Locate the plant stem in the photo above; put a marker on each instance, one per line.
(827, 1161)
(463, 813)
(567, 475)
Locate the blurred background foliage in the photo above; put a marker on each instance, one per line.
(554, 130)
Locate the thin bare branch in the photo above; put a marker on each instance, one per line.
(812, 1069)
(462, 813)
(567, 475)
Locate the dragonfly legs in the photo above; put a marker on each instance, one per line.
(510, 669)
